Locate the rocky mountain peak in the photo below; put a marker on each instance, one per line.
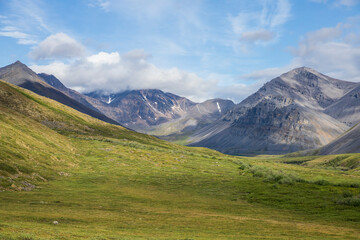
(286, 114)
(18, 73)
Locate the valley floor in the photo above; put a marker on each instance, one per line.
(122, 189)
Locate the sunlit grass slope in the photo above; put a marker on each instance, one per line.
(101, 181)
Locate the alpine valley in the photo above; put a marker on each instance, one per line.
(71, 166)
(299, 110)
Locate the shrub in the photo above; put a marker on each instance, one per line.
(322, 182)
(349, 200)
(347, 194)
(272, 175)
(243, 165)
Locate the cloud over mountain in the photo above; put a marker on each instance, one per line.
(114, 72)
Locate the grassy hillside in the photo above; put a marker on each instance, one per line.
(101, 181)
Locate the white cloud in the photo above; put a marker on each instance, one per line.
(114, 72)
(264, 75)
(332, 51)
(282, 13)
(257, 36)
(260, 26)
(328, 50)
(56, 46)
(104, 58)
(24, 21)
(12, 32)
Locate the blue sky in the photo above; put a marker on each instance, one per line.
(199, 49)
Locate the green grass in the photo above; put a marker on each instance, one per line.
(104, 182)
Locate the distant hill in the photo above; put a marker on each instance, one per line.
(197, 117)
(158, 113)
(141, 109)
(287, 114)
(19, 74)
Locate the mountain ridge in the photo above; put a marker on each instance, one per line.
(285, 115)
(19, 74)
(299, 110)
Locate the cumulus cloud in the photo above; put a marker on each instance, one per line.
(56, 46)
(328, 50)
(115, 72)
(333, 51)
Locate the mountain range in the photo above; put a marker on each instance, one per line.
(299, 110)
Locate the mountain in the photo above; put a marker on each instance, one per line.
(81, 98)
(19, 74)
(66, 175)
(347, 108)
(147, 110)
(348, 142)
(197, 117)
(155, 112)
(141, 109)
(287, 114)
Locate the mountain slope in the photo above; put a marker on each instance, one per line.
(35, 133)
(141, 109)
(20, 75)
(149, 110)
(197, 117)
(285, 115)
(347, 108)
(66, 175)
(81, 98)
(348, 142)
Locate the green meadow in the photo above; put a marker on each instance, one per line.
(64, 175)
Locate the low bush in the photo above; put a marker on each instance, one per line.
(272, 175)
(349, 199)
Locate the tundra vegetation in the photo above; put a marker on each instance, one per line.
(64, 175)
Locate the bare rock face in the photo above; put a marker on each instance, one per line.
(141, 109)
(287, 114)
(158, 113)
(197, 117)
